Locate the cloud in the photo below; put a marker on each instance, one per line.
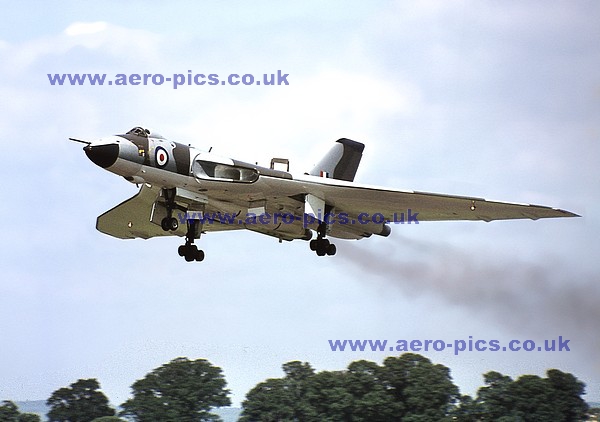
(80, 28)
(131, 46)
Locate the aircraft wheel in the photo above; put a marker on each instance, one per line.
(191, 251)
(173, 224)
(181, 250)
(313, 244)
(321, 248)
(331, 249)
(200, 255)
(164, 224)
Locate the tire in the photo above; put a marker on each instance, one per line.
(331, 249)
(173, 224)
(321, 249)
(191, 251)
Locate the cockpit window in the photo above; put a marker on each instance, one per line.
(139, 131)
(145, 133)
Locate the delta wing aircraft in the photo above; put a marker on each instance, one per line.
(186, 192)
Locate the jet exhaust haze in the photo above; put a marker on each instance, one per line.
(529, 299)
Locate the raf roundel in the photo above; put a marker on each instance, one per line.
(162, 158)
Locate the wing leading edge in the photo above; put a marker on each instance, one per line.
(356, 199)
(132, 218)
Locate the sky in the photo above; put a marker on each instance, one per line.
(493, 99)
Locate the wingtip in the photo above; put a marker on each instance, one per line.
(567, 213)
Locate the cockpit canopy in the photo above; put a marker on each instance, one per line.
(145, 133)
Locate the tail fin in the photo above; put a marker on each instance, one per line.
(341, 162)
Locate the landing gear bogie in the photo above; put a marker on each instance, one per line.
(322, 246)
(192, 253)
(189, 251)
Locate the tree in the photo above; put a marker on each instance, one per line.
(406, 387)
(80, 402)
(282, 399)
(328, 396)
(531, 398)
(467, 410)
(269, 401)
(179, 391)
(9, 412)
(28, 417)
(297, 379)
(425, 390)
(109, 419)
(372, 399)
(495, 399)
(566, 395)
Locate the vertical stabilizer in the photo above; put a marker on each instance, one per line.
(341, 162)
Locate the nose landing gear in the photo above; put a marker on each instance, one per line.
(189, 251)
(169, 223)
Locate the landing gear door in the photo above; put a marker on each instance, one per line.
(159, 211)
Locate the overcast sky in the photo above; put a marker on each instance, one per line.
(493, 99)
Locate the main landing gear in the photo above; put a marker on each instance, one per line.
(321, 245)
(189, 251)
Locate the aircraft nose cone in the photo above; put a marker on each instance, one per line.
(102, 155)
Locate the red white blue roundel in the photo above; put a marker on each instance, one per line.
(161, 156)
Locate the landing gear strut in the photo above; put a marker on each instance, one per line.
(321, 245)
(169, 223)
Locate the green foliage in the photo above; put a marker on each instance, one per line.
(467, 410)
(282, 399)
(425, 390)
(109, 419)
(328, 397)
(9, 412)
(269, 401)
(364, 392)
(566, 395)
(179, 391)
(410, 388)
(495, 399)
(531, 398)
(371, 396)
(80, 402)
(29, 417)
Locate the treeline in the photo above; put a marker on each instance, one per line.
(411, 388)
(407, 388)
